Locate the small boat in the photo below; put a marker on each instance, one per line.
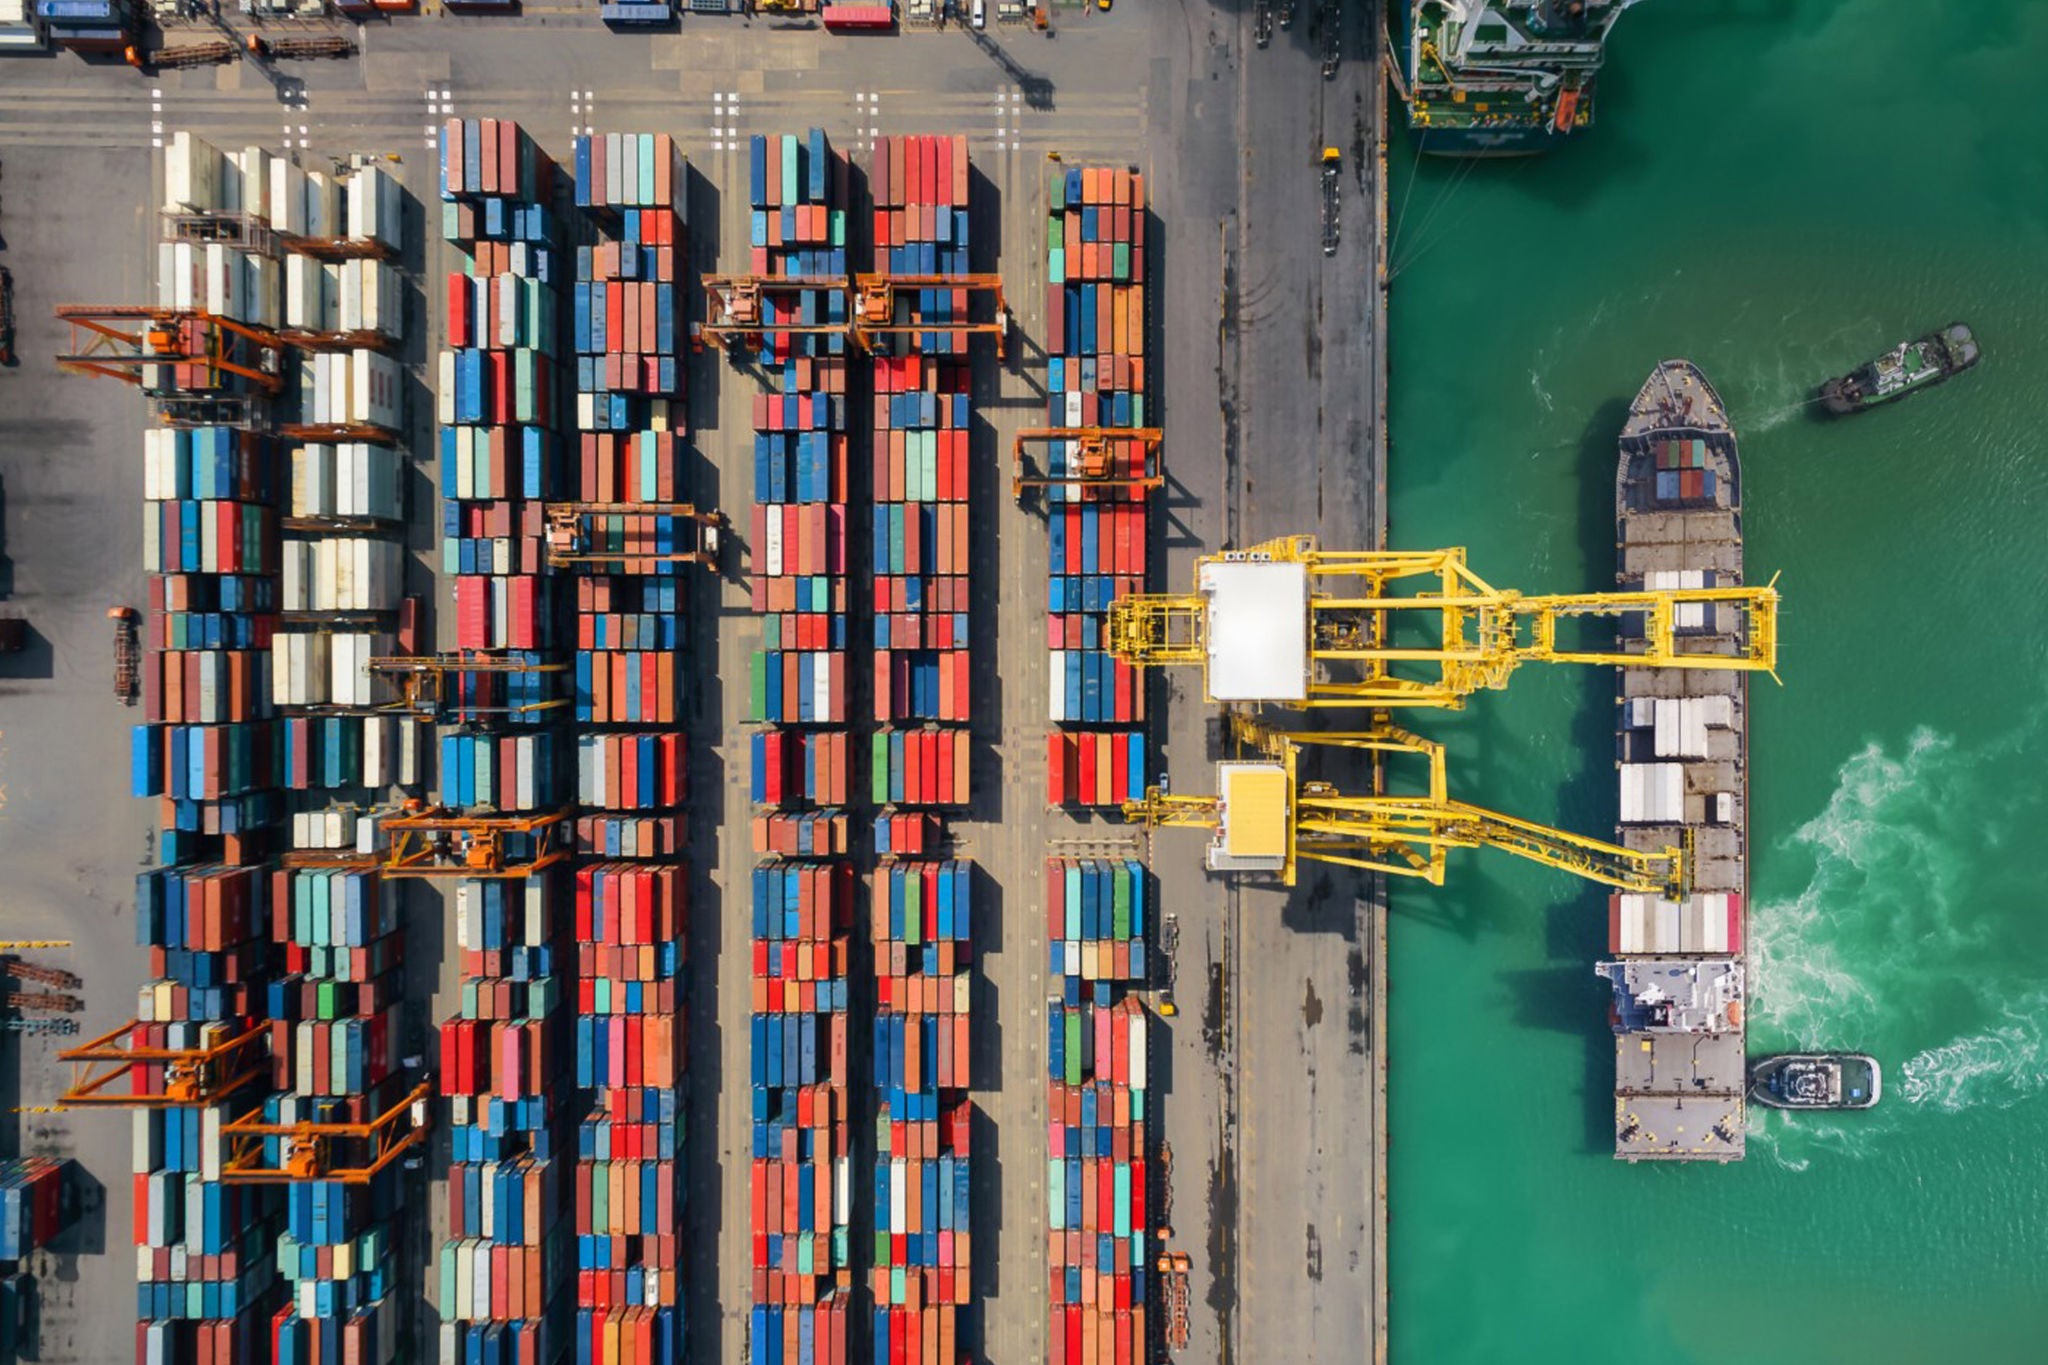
(1816, 1080)
(1906, 368)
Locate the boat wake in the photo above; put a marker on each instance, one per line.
(1998, 1067)
(1900, 935)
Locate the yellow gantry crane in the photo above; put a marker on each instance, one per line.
(1268, 819)
(1292, 623)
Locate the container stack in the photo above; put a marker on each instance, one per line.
(504, 1270)
(336, 1025)
(205, 1251)
(632, 889)
(36, 1203)
(209, 749)
(1097, 1045)
(920, 1278)
(508, 1257)
(803, 890)
(921, 540)
(209, 742)
(1098, 532)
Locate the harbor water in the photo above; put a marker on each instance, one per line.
(1778, 192)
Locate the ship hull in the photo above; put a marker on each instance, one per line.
(1499, 143)
(1953, 348)
(1678, 512)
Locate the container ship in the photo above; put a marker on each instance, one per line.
(1677, 967)
(1503, 77)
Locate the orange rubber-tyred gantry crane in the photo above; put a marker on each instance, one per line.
(1103, 460)
(740, 309)
(422, 682)
(163, 1077)
(208, 349)
(438, 841)
(573, 540)
(352, 1153)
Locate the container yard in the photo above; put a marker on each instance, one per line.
(578, 924)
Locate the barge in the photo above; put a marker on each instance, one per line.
(1677, 967)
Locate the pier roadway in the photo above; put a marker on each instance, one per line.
(1266, 378)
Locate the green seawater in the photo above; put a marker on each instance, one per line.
(1778, 192)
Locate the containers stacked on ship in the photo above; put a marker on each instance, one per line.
(921, 922)
(1097, 1040)
(1677, 967)
(920, 540)
(803, 892)
(1097, 531)
(505, 1271)
(208, 749)
(632, 888)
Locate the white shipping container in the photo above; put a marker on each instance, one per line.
(1639, 713)
(166, 275)
(1073, 408)
(375, 390)
(253, 166)
(375, 207)
(1724, 808)
(287, 198)
(192, 173)
(210, 1144)
(444, 391)
(1717, 710)
(774, 542)
(1138, 1051)
(323, 205)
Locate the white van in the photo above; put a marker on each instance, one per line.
(978, 14)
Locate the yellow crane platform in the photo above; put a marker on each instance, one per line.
(1292, 623)
(1267, 819)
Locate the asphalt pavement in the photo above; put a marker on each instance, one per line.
(1266, 380)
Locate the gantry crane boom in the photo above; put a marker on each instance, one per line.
(888, 305)
(1270, 624)
(422, 683)
(438, 841)
(572, 539)
(1104, 459)
(163, 1077)
(170, 337)
(739, 308)
(1267, 818)
(351, 1153)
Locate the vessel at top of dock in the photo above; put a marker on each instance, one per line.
(1492, 78)
(1677, 966)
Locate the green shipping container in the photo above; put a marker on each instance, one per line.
(757, 688)
(1073, 1021)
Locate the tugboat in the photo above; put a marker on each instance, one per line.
(1907, 367)
(1816, 1080)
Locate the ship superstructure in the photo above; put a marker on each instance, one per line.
(1677, 965)
(1504, 77)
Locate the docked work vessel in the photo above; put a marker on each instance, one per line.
(1503, 77)
(1677, 964)
(1906, 368)
(1817, 1080)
